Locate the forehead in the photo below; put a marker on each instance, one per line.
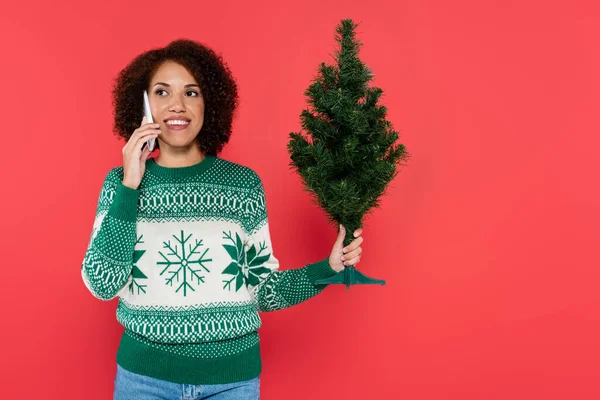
(172, 73)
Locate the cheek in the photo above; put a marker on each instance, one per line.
(200, 112)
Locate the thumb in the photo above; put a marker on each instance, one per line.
(341, 234)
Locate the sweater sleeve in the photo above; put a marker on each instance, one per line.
(270, 288)
(108, 261)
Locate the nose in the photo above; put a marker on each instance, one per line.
(177, 104)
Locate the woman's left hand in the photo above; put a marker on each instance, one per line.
(345, 256)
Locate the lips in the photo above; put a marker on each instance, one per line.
(177, 127)
(177, 119)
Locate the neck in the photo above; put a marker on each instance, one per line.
(176, 158)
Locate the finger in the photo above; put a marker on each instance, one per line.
(145, 153)
(358, 232)
(149, 131)
(143, 120)
(351, 254)
(353, 245)
(133, 144)
(341, 235)
(352, 261)
(146, 149)
(146, 139)
(143, 135)
(143, 129)
(136, 144)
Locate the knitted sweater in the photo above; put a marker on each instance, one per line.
(189, 256)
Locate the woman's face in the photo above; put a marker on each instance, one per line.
(177, 105)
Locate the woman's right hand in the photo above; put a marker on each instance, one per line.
(134, 158)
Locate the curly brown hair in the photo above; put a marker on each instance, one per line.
(217, 85)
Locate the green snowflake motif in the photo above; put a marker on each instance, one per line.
(241, 257)
(179, 263)
(137, 272)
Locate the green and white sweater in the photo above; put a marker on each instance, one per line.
(189, 256)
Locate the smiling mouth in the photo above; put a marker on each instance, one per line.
(177, 125)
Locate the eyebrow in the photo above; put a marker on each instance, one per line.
(167, 85)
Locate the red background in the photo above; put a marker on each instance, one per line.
(488, 239)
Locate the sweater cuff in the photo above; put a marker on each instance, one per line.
(319, 270)
(124, 205)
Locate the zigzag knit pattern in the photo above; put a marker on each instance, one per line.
(189, 256)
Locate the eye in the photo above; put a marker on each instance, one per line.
(189, 91)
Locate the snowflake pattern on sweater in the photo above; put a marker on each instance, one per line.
(189, 257)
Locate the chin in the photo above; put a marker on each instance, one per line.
(179, 144)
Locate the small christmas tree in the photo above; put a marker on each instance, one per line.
(349, 157)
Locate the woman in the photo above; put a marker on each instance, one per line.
(183, 239)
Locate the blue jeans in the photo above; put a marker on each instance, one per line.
(130, 386)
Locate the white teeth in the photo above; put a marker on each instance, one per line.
(177, 122)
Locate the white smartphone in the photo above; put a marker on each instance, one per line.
(149, 120)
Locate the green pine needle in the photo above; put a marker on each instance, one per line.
(349, 154)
